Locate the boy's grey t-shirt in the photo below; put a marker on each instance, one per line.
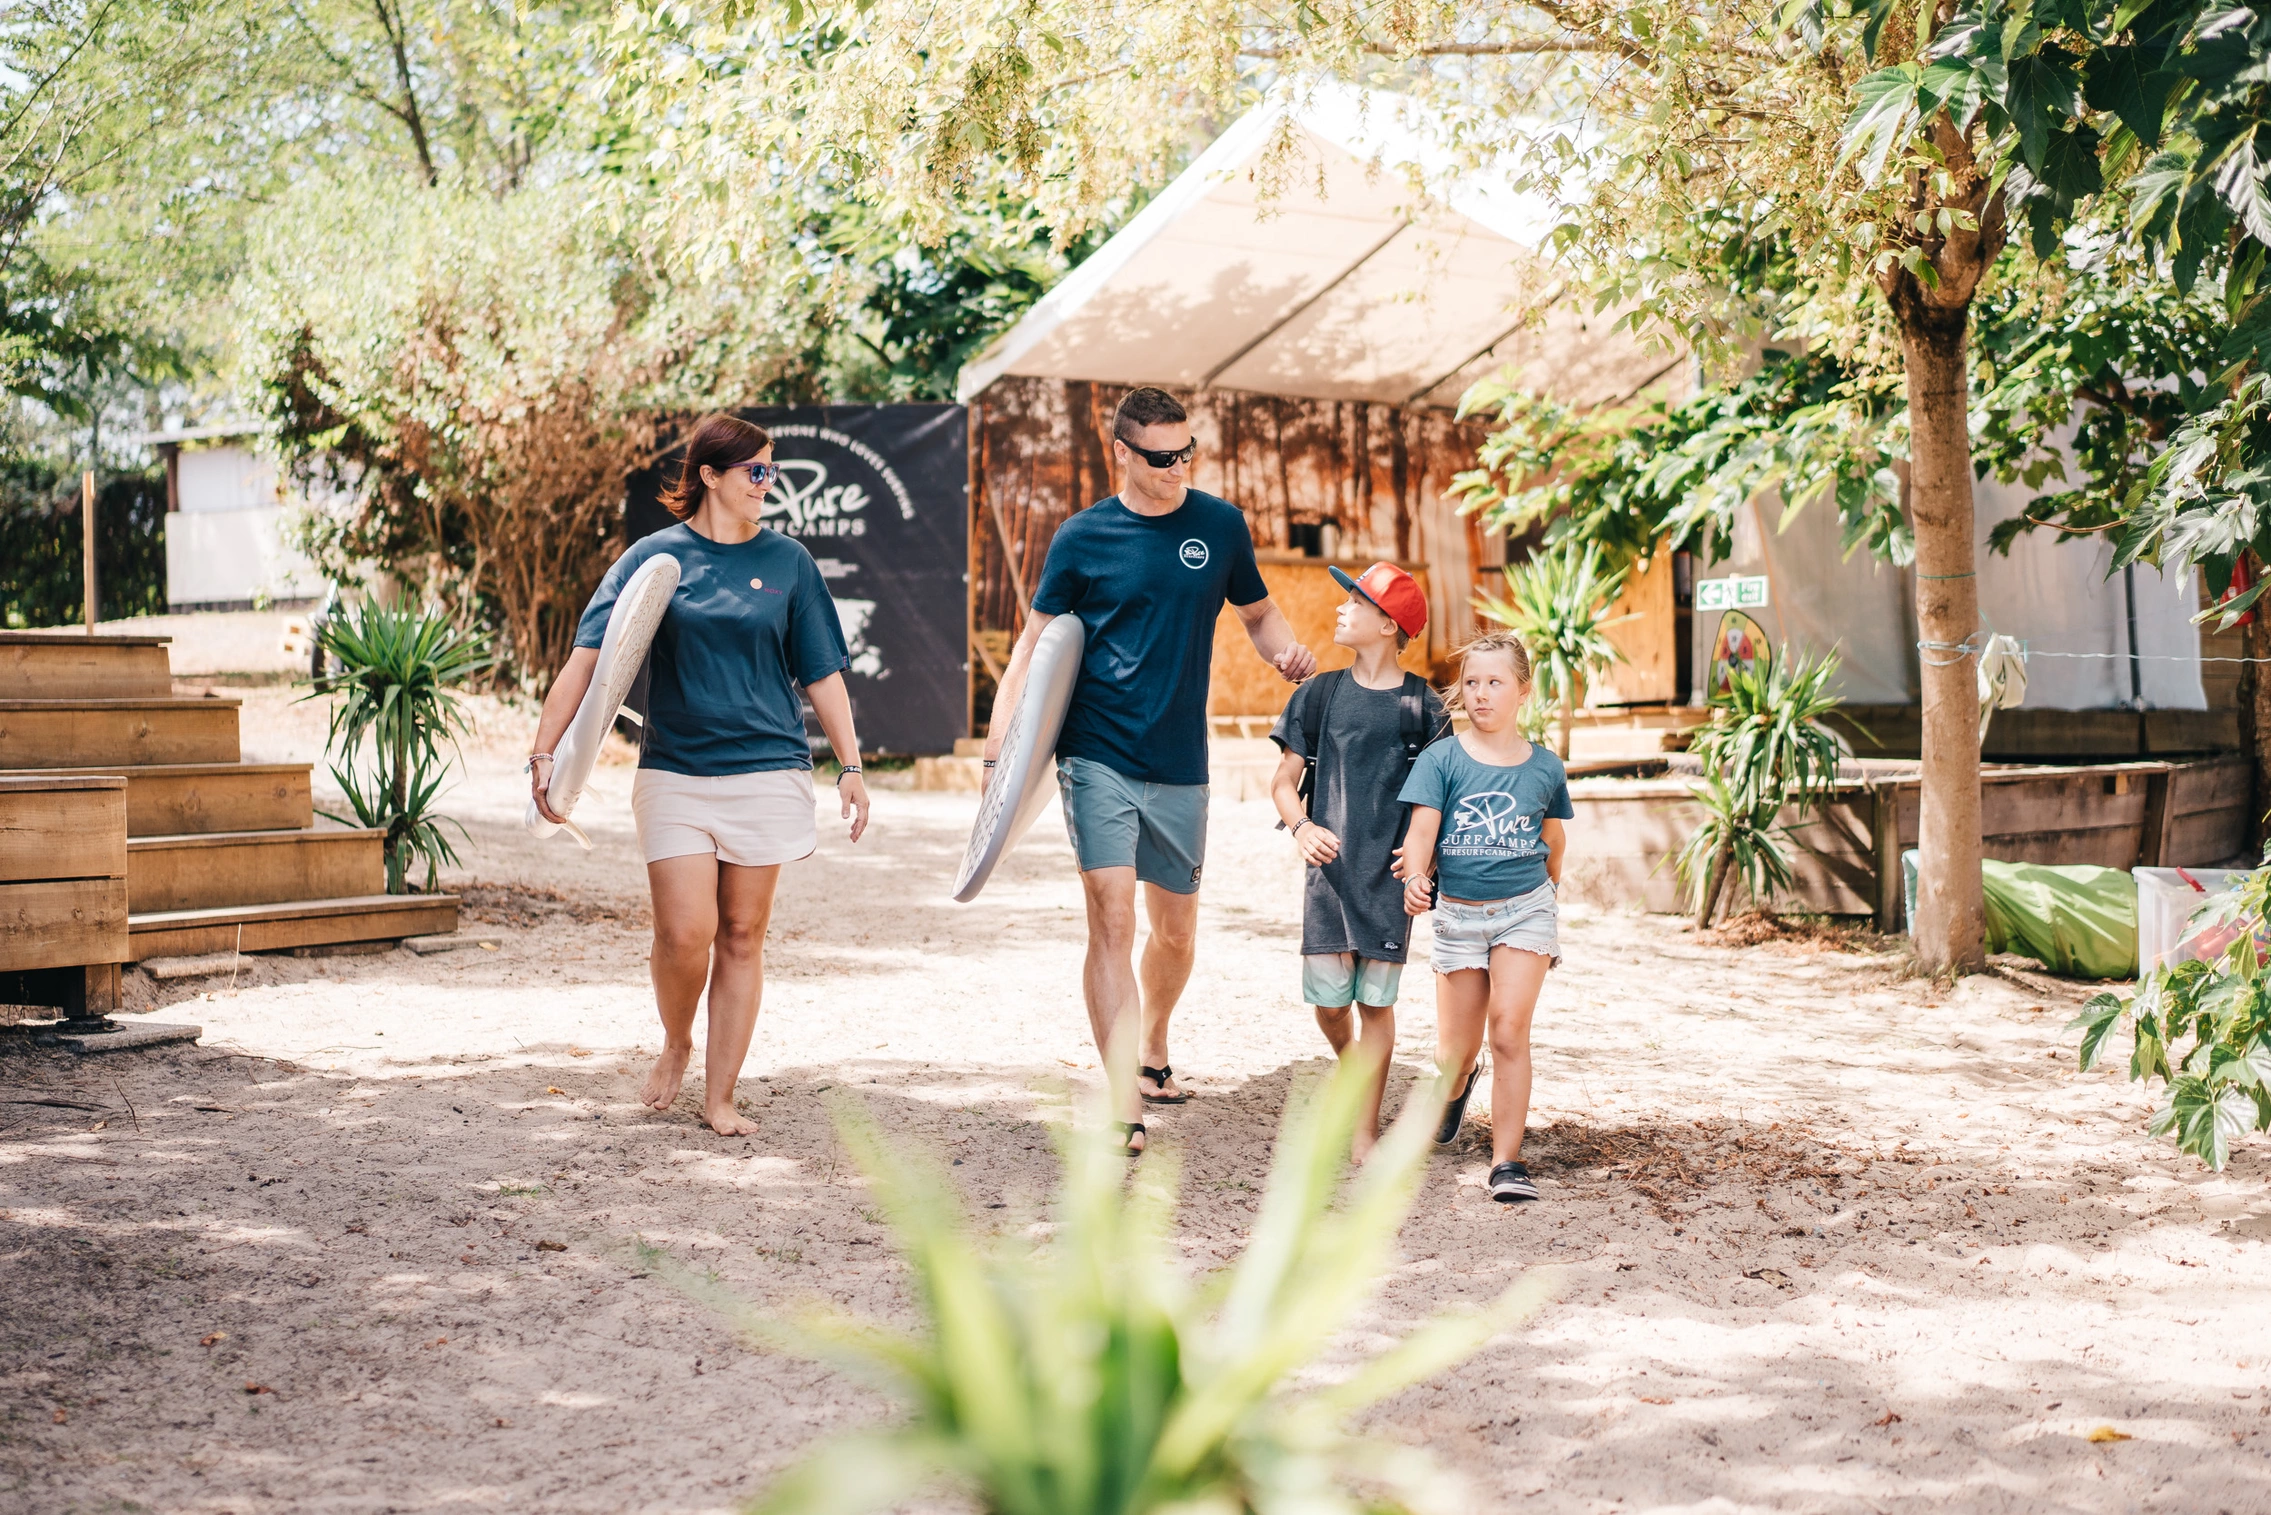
(1353, 903)
(1491, 846)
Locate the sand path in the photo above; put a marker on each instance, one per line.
(1834, 1239)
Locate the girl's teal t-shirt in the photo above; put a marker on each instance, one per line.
(1491, 846)
(749, 623)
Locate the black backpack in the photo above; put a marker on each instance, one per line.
(1411, 728)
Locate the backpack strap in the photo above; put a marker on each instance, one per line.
(1313, 733)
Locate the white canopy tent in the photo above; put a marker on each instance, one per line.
(1353, 283)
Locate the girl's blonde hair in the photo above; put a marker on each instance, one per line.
(1501, 641)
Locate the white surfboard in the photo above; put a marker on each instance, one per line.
(1025, 778)
(630, 632)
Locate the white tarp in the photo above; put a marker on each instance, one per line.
(2053, 596)
(1352, 284)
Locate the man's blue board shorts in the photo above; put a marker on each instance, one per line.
(1118, 822)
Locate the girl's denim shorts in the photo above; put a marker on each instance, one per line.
(1464, 934)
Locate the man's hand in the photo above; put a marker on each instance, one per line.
(1419, 895)
(1295, 664)
(1316, 844)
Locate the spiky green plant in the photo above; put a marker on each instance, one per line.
(1558, 604)
(1765, 749)
(2219, 1086)
(395, 725)
(1084, 1375)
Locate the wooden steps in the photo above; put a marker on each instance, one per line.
(214, 869)
(114, 734)
(204, 853)
(70, 665)
(300, 923)
(174, 799)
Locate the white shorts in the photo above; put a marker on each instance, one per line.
(1464, 934)
(751, 820)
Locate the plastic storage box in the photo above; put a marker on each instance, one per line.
(2166, 901)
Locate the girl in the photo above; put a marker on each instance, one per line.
(1496, 927)
(724, 792)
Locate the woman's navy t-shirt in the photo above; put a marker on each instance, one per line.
(1492, 845)
(1147, 590)
(750, 621)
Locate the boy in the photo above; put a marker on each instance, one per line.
(1361, 727)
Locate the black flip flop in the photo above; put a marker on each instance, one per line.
(1455, 1110)
(1129, 1128)
(1159, 1076)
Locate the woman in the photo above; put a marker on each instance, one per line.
(724, 792)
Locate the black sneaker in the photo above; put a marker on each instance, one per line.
(1510, 1183)
(1455, 1111)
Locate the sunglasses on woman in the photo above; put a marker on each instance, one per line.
(1182, 454)
(760, 474)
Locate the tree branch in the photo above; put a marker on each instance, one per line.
(409, 112)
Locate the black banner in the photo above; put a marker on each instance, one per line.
(879, 495)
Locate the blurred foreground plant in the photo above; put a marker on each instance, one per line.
(2219, 1087)
(397, 670)
(1764, 750)
(1084, 1375)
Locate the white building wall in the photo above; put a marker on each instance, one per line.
(227, 543)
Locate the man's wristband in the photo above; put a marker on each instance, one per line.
(990, 762)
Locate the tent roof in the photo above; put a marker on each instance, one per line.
(1352, 284)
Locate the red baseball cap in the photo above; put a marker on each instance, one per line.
(1392, 592)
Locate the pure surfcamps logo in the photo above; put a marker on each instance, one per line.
(1193, 553)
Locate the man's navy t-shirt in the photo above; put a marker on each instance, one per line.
(1147, 590)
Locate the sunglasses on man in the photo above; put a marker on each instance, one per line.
(1162, 460)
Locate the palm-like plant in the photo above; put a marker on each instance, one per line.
(1087, 1377)
(1764, 750)
(1557, 603)
(397, 671)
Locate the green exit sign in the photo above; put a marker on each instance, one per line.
(1731, 594)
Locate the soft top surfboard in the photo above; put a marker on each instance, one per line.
(1025, 777)
(631, 627)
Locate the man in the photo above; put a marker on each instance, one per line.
(1147, 571)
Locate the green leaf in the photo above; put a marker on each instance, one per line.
(2243, 183)
(2040, 89)
(853, 1475)
(1884, 117)
(2129, 82)
(2069, 163)
(2097, 1020)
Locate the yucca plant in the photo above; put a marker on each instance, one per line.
(1557, 603)
(1765, 749)
(1084, 1375)
(395, 725)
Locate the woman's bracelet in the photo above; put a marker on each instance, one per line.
(841, 772)
(530, 765)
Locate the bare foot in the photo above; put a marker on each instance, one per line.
(727, 1121)
(669, 1071)
(1360, 1150)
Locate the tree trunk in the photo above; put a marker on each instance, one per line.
(1568, 717)
(1950, 916)
(1713, 882)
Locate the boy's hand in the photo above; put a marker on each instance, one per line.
(1419, 895)
(1316, 844)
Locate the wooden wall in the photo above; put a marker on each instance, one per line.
(1376, 473)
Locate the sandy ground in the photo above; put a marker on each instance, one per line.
(1833, 1239)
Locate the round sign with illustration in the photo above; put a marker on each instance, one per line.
(1740, 647)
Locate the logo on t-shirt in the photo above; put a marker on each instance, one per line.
(1491, 824)
(1193, 553)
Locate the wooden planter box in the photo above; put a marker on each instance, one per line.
(2115, 815)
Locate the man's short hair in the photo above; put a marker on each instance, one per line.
(1145, 406)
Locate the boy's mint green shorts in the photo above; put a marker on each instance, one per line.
(1331, 980)
(1114, 821)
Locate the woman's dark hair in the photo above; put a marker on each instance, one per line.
(717, 441)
